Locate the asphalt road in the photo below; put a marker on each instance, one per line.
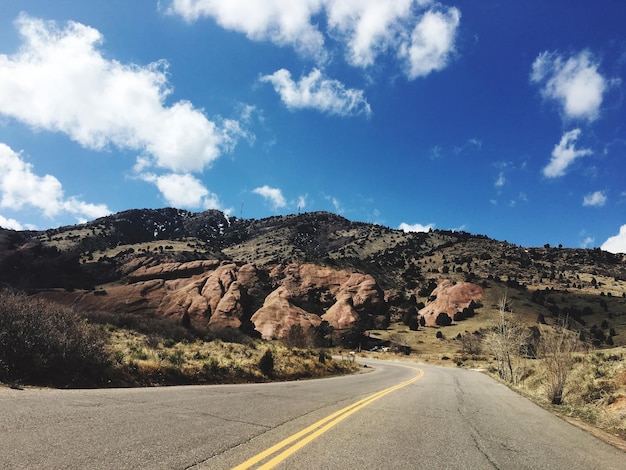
(425, 417)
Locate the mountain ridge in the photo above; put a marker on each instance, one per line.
(319, 237)
(261, 256)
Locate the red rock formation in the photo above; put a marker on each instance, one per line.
(279, 314)
(450, 298)
(219, 295)
(338, 296)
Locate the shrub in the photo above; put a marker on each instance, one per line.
(323, 356)
(443, 319)
(471, 343)
(47, 344)
(323, 335)
(266, 363)
(413, 324)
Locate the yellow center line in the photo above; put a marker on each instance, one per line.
(317, 429)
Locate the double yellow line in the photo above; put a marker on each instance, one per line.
(317, 429)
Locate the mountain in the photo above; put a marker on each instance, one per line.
(212, 270)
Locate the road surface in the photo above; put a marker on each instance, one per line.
(397, 416)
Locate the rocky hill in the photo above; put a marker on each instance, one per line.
(263, 276)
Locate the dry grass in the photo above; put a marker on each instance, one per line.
(141, 359)
(595, 391)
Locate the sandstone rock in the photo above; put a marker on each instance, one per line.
(229, 310)
(450, 298)
(218, 295)
(342, 314)
(217, 283)
(170, 270)
(278, 314)
(180, 298)
(337, 296)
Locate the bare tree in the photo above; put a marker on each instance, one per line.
(556, 350)
(505, 341)
(471, 343)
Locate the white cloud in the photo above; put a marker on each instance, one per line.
(314, 91)
(11, 224)
(432, 42)
(59, 81)
(336, 204)
(20, 187)
(84, 210)
(415, 227)
(500, 181)
(302, 202)
(587, 242)
(420, 33)
(273, 195)
(597, 199)
(183, 191)
(368, 27)
(284, 22)
(564, 154)
(573, 82)
(616, 243)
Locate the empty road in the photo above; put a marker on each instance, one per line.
(398, 415)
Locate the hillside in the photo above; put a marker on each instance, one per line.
(209, 269)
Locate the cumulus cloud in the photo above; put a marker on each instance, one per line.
(367, 27)
(500, 181)
(183, 191)
(273, 195)
(596, 199)
(284, 22)
(564, 153)
(616, 243)
(432, 42)
(20, 187)
(314, 91)
(420, 33)
(59, 81)
(11, 224)
(573, 82)
(415, 227)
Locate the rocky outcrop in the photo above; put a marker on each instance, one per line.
(209, 293)
(217, 295)
(279, 314)
(450, 298)
(322, 287)
(309, 294)
(168, 270)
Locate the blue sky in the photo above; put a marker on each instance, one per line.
(499, 118)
